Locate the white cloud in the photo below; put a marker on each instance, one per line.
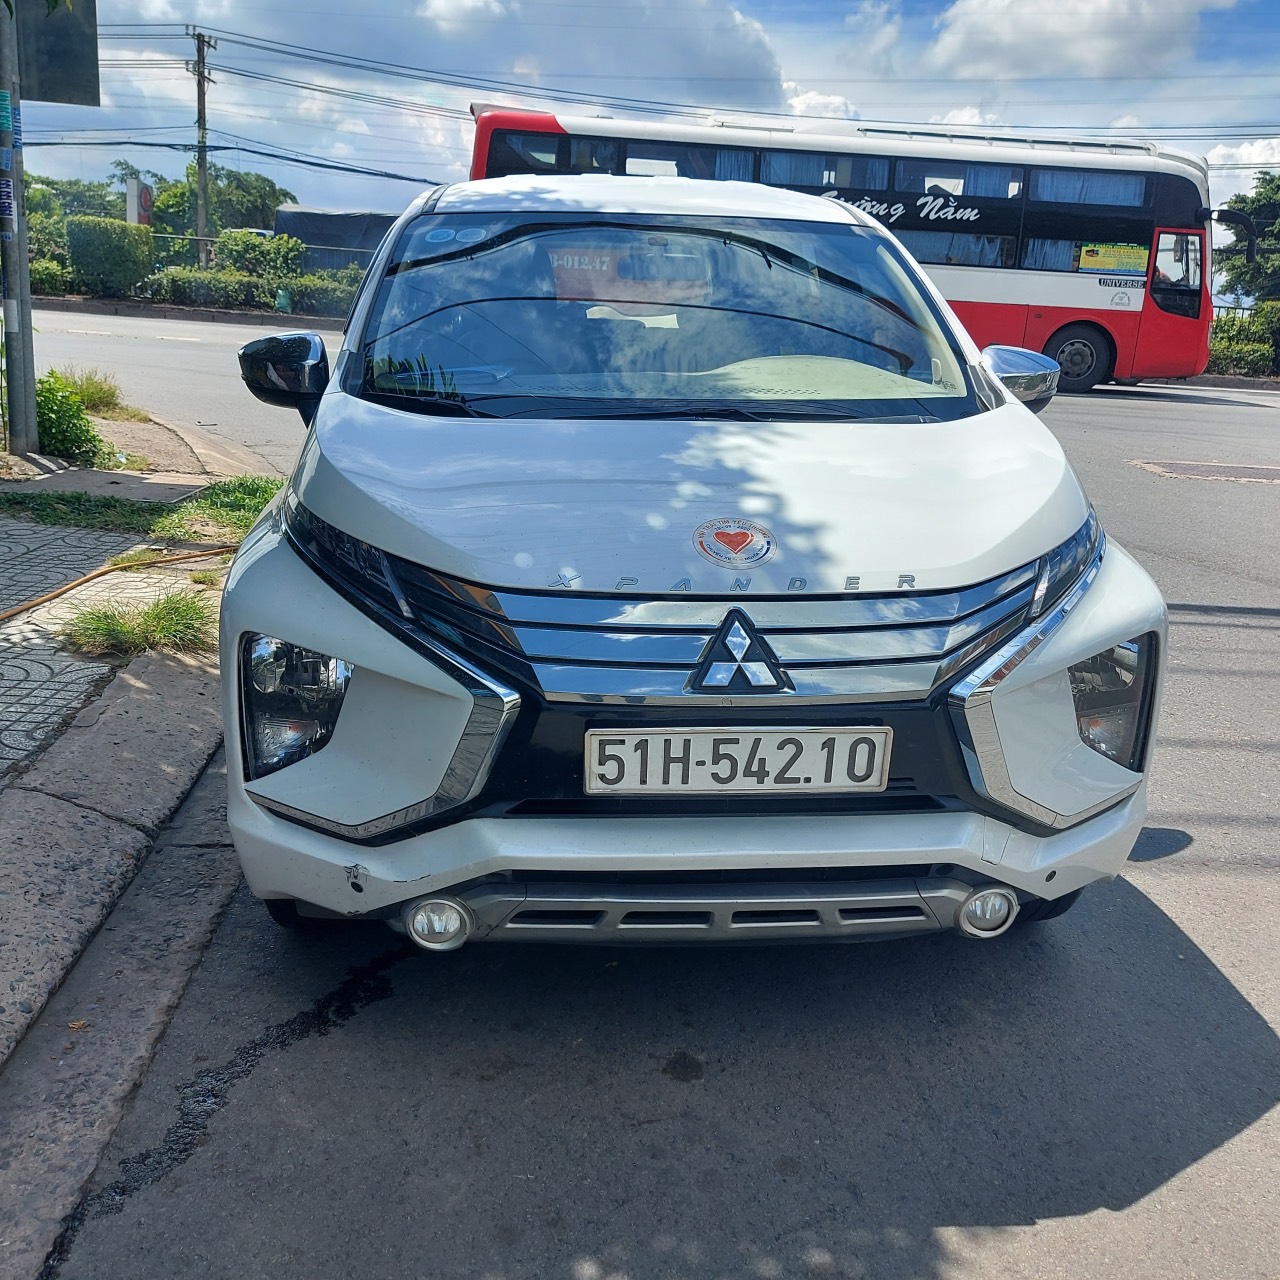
(876, 30)
(1015, 39)
(968, 116)
(812, 103)
(1225, 183)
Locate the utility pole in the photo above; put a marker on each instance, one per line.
(19, 360)
(197, 68)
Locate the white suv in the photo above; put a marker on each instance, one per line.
(663, 563)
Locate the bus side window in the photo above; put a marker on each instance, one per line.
(1176, 276)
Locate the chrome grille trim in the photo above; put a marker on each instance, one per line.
(595, 649)
(971, 699)
(705, 613)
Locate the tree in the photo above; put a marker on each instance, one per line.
(1262, 279)
(239, 199)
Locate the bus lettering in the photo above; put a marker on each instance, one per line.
(878, 208)
(933, 207)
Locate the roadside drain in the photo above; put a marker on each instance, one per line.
(1212, 471)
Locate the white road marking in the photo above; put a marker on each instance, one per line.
(168, 337)
(97, 333)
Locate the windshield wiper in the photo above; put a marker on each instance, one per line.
(425, 402)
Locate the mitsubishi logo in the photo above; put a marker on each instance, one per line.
(737, 660)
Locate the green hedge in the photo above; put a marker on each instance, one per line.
(191, 287)
(1251, 359)
(49, 278)
(108, 257)
(268, 257)
(324, 293)
(320, 294)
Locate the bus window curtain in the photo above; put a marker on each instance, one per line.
(1049, 255)
(792, 169)
(955, 249)
(877, 174)
(735, 166)
(1078, 186)
(991, 180)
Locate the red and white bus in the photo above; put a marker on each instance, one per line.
(1092, 251)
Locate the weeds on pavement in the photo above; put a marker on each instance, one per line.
(179, 621)
(99, 392)
(222, 512)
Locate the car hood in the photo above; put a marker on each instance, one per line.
(616, 505)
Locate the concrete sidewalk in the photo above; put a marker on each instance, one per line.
(95, 757)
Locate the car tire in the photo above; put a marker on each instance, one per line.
(1083, 354)
(1046, 909)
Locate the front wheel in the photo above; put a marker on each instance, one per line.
(1083, 354)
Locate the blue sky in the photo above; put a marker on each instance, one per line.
(1201, 74)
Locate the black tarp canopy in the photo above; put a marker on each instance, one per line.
(333, 239)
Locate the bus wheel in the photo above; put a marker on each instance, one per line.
(1084, 355)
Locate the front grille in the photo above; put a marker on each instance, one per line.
(584, 662)
(611, 649)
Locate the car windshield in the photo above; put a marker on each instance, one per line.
(512, 315)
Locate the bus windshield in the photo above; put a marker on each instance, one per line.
(513, 315)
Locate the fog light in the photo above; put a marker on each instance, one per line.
(987, 913)
(438, 924)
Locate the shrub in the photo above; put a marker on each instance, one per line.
(48, 277)
(1266, 323)
(63, 426)
(47, 237)
(1251, 359)
(267, 257)
(108, 257)
(191, 287)
(322, 293)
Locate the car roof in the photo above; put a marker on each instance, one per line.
(608, 193)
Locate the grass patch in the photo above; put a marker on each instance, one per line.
(137, 558)
(206, 578)
(179, 621)
(99, 392)
(227, 504)
(85, 511)
(224, 512)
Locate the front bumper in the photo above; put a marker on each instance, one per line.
(307, 832)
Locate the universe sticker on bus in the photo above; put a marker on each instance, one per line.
(1114, 259)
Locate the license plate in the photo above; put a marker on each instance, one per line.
(759, 761)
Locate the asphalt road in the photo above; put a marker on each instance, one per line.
(182, 371)
(1095, 1097)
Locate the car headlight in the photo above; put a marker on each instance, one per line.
(1061, 568)
(291, 698)
(1110, 691)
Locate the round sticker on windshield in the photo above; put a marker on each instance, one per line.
(469, 235)
(438, 235)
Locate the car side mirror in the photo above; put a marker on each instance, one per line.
(1027, 375)
(289, 369)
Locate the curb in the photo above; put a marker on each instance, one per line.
(1217, 380)
(165, 311)
(218, 458)
(77, 825)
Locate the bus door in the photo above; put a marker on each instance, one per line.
(1173, 337)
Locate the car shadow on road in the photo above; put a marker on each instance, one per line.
(1187, 396)
(536, 1112)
